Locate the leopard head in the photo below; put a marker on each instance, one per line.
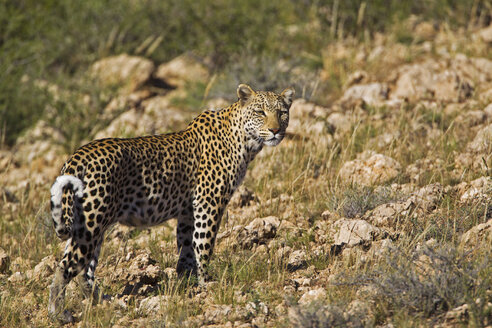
(266, 114)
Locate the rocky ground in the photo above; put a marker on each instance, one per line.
(375, 210)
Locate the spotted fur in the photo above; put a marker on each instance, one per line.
(189, 175)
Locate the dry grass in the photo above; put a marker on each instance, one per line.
(410, 285)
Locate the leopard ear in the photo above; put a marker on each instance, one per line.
(244, 93)
(287, 96)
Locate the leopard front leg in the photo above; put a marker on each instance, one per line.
(184, 237)
(207, 212)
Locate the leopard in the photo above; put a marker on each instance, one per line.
(144, 181)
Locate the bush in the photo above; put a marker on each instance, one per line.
(428, 281)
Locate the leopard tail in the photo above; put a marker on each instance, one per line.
(73, 185)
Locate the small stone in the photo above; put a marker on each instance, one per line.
(372, 93)
(258, 231)
(284, 252)
(151, 305)
(44, 268)
(355, 232)
(482, 141)
(477, 234)
(486, 34)
(340, 122)
(17, 277)
(458, 315)
(313, 295)
(217, 313)
(297, 260)
(488, 111)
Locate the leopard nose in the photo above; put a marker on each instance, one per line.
(274, 131)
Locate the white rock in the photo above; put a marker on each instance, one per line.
(477, 234)
(258, 231)
(479, 189)
(182, 70)
(488, 110)
(482, 141)
(297, 260)
(486, 34)
(124, 70)
(386, 215)
(313, 295)
(44, 268)
(152, 305)
(372, 93)
(376, 169)
(301, 108)
(354, 232)
(156, 115)
(340, 121)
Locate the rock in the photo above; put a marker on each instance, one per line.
(355, 232)
(449, 86)
(485, 96)
(486, 34)
(314, 295)
(482, 141)
(182, 70)
(483, 67)
(316, 316)
(154, 116)
(217, 313)
(381, 247)
(152, 305)
(477, 234)
(420, 167)
(340, 122)
(301, 108)
(141, 275)
(376, 169)
(17, 277)
(457, 316)
(429, 80)
(284, 252)
(258, 231)
(420, 202)
(126, 102)
(428, 197)
(414, 81)
(129, 72)
(41, 141)
(45, 268)
(256, 308)
(297, 260)
(359, 314)
(472, 118)
(386, 215)
(4, 261)
(386, 139)
(372, 93)
(477, 190)
(488, 111)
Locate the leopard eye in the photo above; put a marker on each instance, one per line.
(261, 112)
